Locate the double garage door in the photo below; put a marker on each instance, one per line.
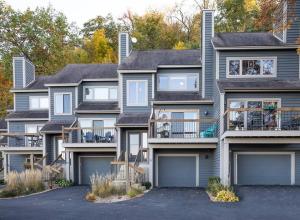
(89, 165)
(177, 171)
(259, 168)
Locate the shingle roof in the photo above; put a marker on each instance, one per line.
(39, 82)
(261, 84)
(245, 39)
(98, 106)
(134, 119)
(178, 96)
(28, 114)
(74, 73)
(150, 59)
(56, 126)
(3, 124)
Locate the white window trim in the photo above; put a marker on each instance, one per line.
(98, 119)
(292, 154)
(31, 97)
(71, 107)
(179, 75)
(250, 100)
(177, 155)
(100, 100)
(146, 93)
(250, 58)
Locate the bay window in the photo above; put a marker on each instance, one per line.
(96, 93)
(178, 82)
(137, 93)
(62, 104)
(38, 102)
(251, 67)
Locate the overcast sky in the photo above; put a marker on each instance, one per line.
(80, 11)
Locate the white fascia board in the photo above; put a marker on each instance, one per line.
(137, 71)
(28, 90)
(26, 119)
(179, 66)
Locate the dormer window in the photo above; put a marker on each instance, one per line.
(251, 67)
(100, 93)
(178, 82)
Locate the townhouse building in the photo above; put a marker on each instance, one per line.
(229, 109)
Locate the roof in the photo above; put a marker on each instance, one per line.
(245, 39)
(151, 59)
(74, 73)
(39, 82)
(261, 84)
(55, 126)
(28, 114)
(133, 119)
(3, 124)
(98, 106)
(178, 96)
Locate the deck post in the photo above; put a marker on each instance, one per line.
(31, 161)
(226, 165)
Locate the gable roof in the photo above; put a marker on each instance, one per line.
(246, 39)
(151, 59)
(74, 73)
(133, 119)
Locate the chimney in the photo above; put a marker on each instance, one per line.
(207, 50)
(23, 72)
(286, 25)
(124, 46)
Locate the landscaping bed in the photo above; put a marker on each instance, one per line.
(220, 193)
(104, 190)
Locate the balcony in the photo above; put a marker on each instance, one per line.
(183, 130)
(262, 122)
(20, 141)
(89, 137)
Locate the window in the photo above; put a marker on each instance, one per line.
(137, 92)
(266, 117)
(62, 104)
(93, 93)
(178, 82)
(60, 150)
(249, 67)
(38, 102)
(33, 141)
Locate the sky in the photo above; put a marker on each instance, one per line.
(80, 11)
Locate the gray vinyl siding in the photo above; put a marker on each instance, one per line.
(50, 151)
(293, 32)
(18, 72)
(287, 61)
(17, 162)
(22, 100)
(209, 55)
(123, 46)
(178, 71)
(54, 90)
(205, 162)
(29, 72)
(297, 167)
(127, 77)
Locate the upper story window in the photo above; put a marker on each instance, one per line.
(97, 93)
(178, 82)
(251, 67)
(62, 103)
(38, 102)
(137, 92)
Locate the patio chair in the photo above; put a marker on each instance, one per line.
(209, 133)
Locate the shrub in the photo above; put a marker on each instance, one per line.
(90, 197)
(147, 185)
(64, 183)
(214, 185)
(102, 186)
(226, 196)
(26, 182)
(133, 192)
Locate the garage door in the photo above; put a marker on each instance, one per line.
(91, 165)
(263, 169)
(176, 171)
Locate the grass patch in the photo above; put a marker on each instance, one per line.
(133, 192)
(24, 183)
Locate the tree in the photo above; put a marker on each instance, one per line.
(179, 46)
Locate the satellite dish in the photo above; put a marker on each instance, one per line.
(134, 40)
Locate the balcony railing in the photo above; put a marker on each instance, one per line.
(183, 128)
(19, 139)
(89, 135)
(269, 119)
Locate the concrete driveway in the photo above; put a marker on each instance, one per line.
(257, 203)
